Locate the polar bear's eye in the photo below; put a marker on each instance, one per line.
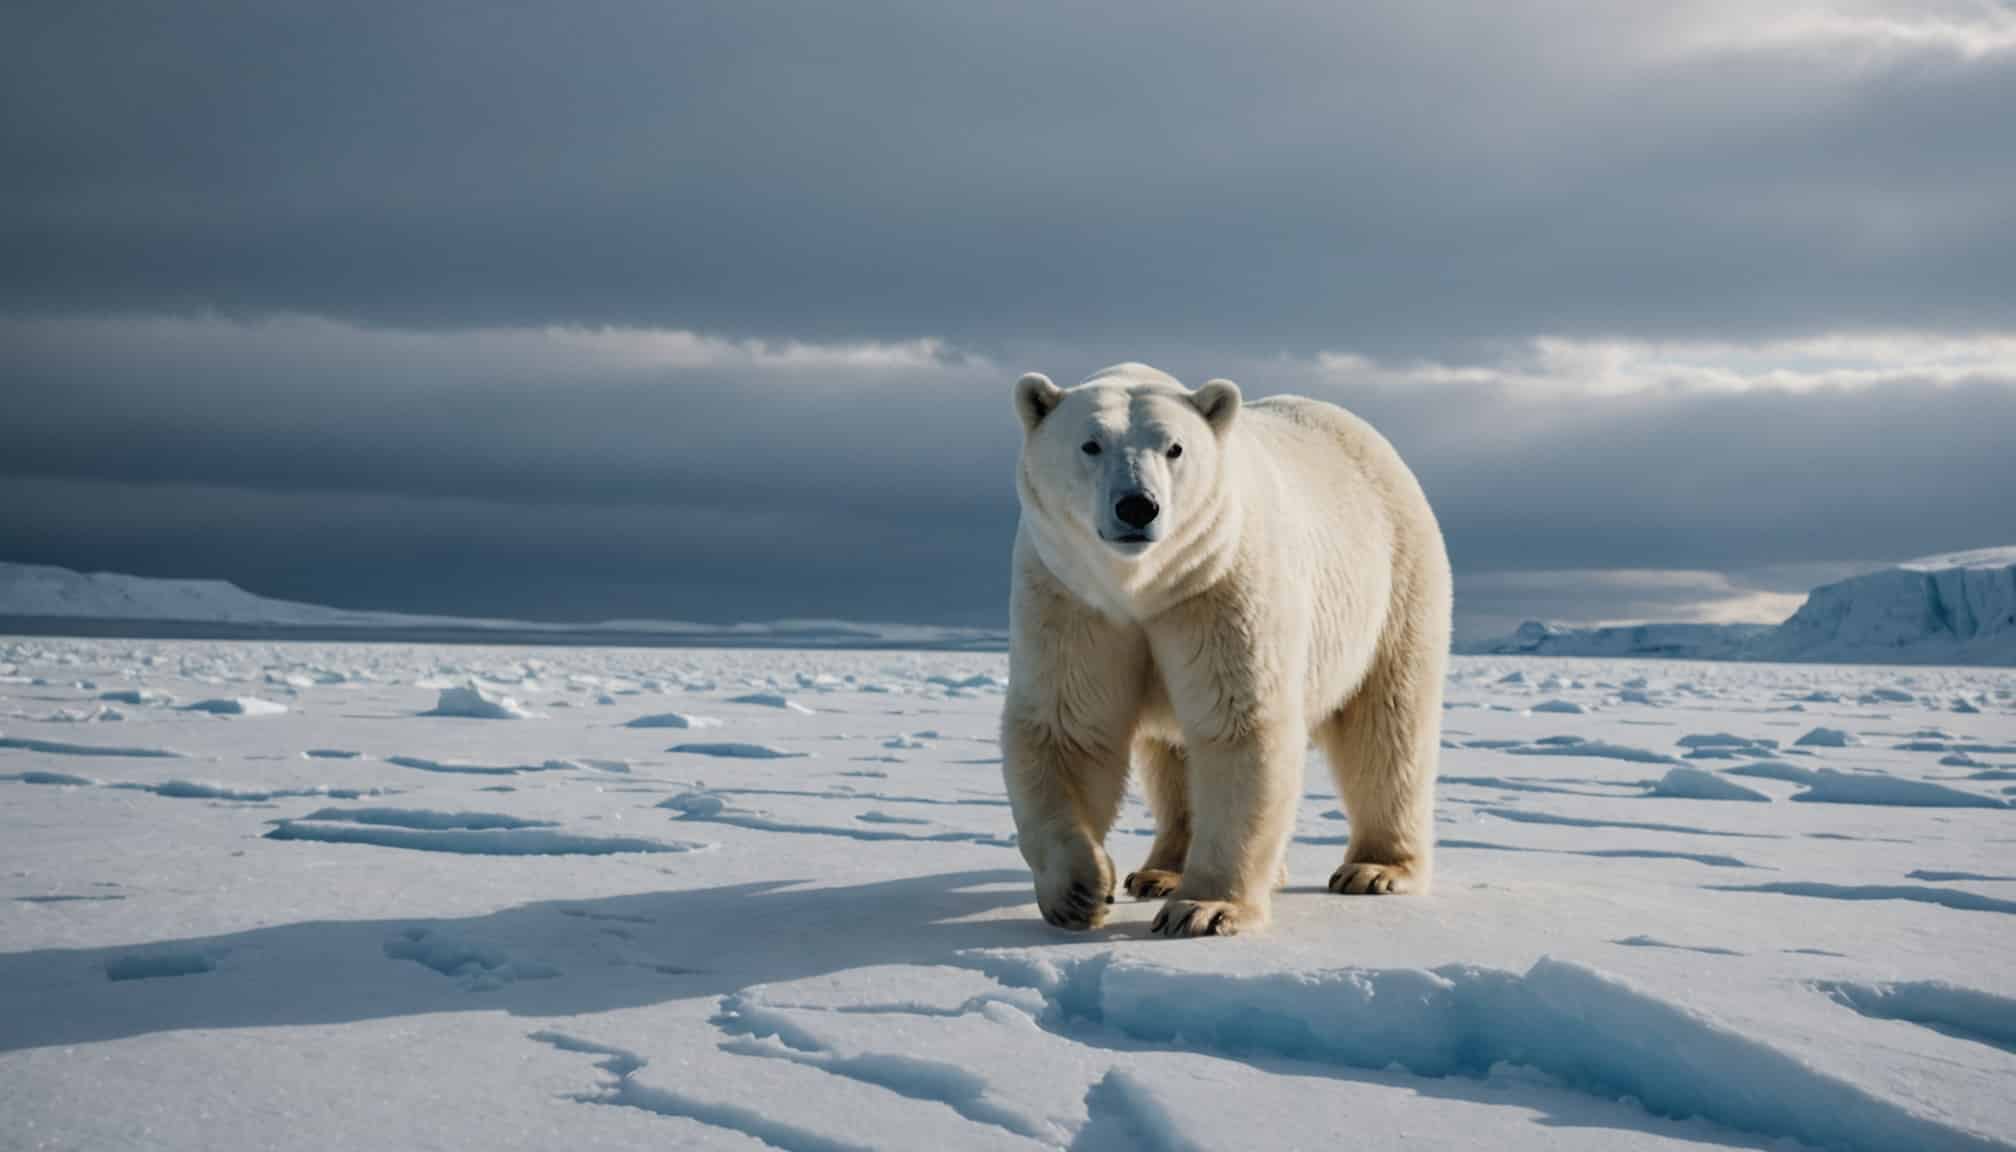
(1175, 450)
(1090, 448)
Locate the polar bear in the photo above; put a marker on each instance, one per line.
(1201, 586)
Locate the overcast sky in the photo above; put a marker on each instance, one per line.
(710, 311)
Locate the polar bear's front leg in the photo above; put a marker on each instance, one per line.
(1065, 797)
(1075, 684)
(1232, 662)
(1243, 793)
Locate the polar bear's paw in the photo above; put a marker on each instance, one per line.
(1152, 883)
(1367, 879)
(1181, 917)
(1076, 897)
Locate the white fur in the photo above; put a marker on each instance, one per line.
(1296, 587)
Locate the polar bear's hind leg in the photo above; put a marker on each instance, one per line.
(1163, 779)
(1382, 748)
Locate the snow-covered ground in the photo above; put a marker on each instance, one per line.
(295, 896)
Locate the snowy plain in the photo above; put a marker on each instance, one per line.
(300, 896)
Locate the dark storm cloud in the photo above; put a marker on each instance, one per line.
(567, 476)
(708, 309)
(1381, 177)
(553, 561)
(582, 475)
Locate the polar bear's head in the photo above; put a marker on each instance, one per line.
(1124, 458)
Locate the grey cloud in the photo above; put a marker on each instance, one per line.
(1383, 177)
(524, 560)
(396, 198)
(726, 490)
(1492, 604)
(514, 417)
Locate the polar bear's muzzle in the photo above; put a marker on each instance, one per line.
(1133, 521)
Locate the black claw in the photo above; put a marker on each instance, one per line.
(1212, 928)
(1183, 929)
(1069, 918)
(1161, 922)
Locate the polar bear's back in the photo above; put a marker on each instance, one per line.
(1337, 459)
(1293, 416)
(1363, 521)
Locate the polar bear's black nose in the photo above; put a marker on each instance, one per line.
(1137, 509)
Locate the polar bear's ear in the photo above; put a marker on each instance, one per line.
(1218, 402)
(1035, 396)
